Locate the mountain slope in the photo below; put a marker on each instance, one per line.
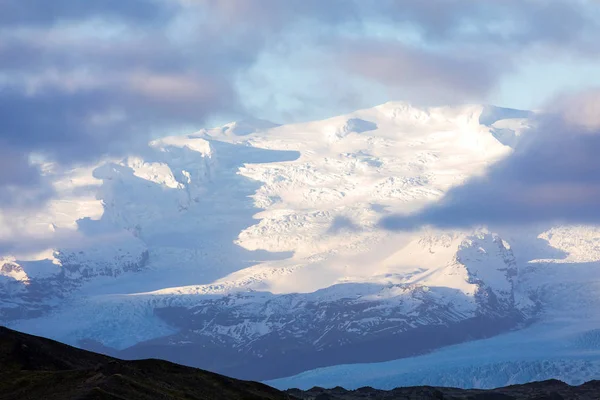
(245, 247)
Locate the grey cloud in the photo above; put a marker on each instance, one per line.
(43, 12)
(21, 183)
(504, 22)
(276, 15)
(79, 126)
(466, 48)
(174, 63)
(75, 99)
(553, 176)
(494, 21)
(462, 49)
(424, 74)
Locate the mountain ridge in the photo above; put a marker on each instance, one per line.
(268, 243)
(34, 367)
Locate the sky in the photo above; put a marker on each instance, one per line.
(80, 80)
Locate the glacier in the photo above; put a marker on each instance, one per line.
(545, 350)
(255, 249)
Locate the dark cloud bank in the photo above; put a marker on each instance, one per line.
(81, 79)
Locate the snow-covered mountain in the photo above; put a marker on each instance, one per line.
(254, 249)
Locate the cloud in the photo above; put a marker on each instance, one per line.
(42, 12)
(459, 51)
(552, 177)
(499, 22)
(278, 15)
(580, 110)
(74, 95)
(421, 74)
(82, 79)
(503, 22)
(21, 183)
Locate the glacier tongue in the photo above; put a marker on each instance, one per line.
(256, 243)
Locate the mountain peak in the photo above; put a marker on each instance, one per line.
(247, 126)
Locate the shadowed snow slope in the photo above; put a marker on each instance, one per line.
(254, 249)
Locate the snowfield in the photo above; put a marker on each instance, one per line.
(254, 244)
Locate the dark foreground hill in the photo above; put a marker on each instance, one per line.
(36, 368)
